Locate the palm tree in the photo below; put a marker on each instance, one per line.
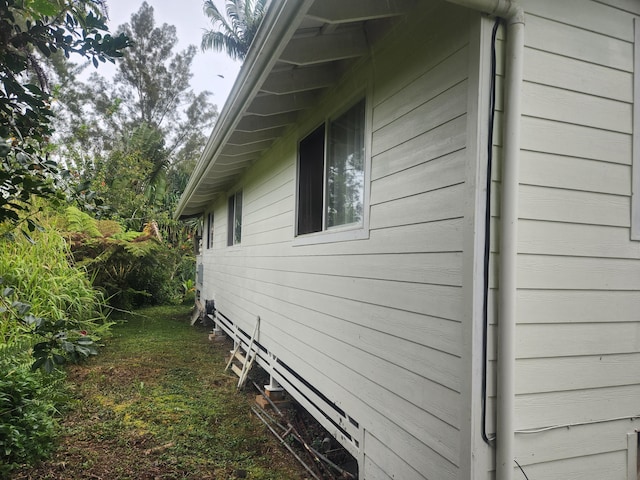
(234, 33)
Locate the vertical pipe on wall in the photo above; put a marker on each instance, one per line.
(508, 251)
(505, 406)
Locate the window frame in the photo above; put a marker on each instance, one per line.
(635, 159)
(234, 214)
(210, 230)
(347, 232)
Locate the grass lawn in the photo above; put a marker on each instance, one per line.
(156, 404)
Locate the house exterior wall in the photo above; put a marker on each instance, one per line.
(374, 325)
(578, 323)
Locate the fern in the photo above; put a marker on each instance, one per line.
(80, 222)
(141, 249)
(127, 236)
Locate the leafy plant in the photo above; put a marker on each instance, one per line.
(29, 403)
(25, 112)
(48, 302)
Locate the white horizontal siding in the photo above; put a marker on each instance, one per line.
(375, 324)
(578, 333)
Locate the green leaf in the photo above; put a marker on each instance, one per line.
(44, 7)
(38, 363)
(59, 359)
(49, 366)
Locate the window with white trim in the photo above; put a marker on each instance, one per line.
(210, 230)
(234, 225)
(331, 174)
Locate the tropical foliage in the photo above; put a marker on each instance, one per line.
(29, 31)
(234, 32)
(132, 268)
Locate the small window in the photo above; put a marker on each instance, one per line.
(635, 161)
(331, 173)
(234, 234)
(210, 230)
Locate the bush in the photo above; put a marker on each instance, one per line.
(29, 404)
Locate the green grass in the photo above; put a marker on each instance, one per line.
(156, 403)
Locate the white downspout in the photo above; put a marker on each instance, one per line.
(505, 427)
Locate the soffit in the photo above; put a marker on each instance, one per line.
(328, 38)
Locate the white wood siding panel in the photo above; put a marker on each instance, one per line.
(631, 6)
(555, 238)
(439, 204)
(559, 272)
(577, 306)
(549, 340)
(532, 375)
(429, 85)
(595, 176)
(431, 332)
(278, 184)
(441, 172)
(396, 66)
(586, 15)
(574, 306)
(578, 335)
(441, 140)
(433, 268)
(543, 135)
(440, 109)
(573, 42)
(578, 441)
(307, 358)
(433, 300)
(277, 201)
(581, 109)
(612, 466)
(379, 453)
(579, 406)
(268, 237)
(572, 206)
(273, 222)
(373, 471)
(560, 71)
(311, 329)
(439, 236)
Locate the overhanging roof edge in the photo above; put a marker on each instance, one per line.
(280, 22)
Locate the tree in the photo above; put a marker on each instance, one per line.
(133, 137)
(234, 34)
(28, 31)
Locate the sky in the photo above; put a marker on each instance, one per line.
(211, 70)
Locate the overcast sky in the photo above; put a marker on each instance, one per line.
(190, 21)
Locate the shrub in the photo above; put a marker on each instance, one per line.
(29, 404)
(46, 302)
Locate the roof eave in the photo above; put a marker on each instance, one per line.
(280, 22)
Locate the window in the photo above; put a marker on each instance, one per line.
(331, 173)
(635, 162)
(210, 230)
(234, 234)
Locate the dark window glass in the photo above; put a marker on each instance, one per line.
(310, 182)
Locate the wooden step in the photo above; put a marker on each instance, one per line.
(235, 369)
